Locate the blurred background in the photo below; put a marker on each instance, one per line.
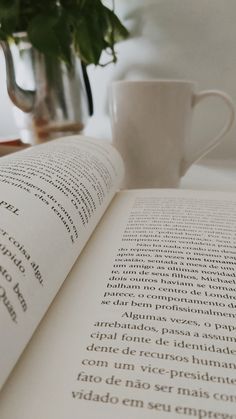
(187, 39)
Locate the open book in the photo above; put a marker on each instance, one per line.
(144, 323)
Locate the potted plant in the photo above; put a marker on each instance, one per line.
(53, 41)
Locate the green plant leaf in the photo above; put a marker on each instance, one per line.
(9, 10)
(64, 38)
(54, 26)
(116, 31)
(89, 28)
(3, 35)
(42, 34)
(89, 50)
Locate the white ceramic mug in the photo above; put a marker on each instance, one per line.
(151, 126)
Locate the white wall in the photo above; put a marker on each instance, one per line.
(192, 39)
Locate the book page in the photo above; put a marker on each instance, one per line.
(51, 198)
(145, 326)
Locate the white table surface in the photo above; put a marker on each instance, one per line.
(211, 175)
(207, 174)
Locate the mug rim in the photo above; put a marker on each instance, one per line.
(152, 81)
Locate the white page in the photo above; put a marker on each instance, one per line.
(51, 198)
(162, 354)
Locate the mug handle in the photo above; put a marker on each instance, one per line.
(198, 97)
